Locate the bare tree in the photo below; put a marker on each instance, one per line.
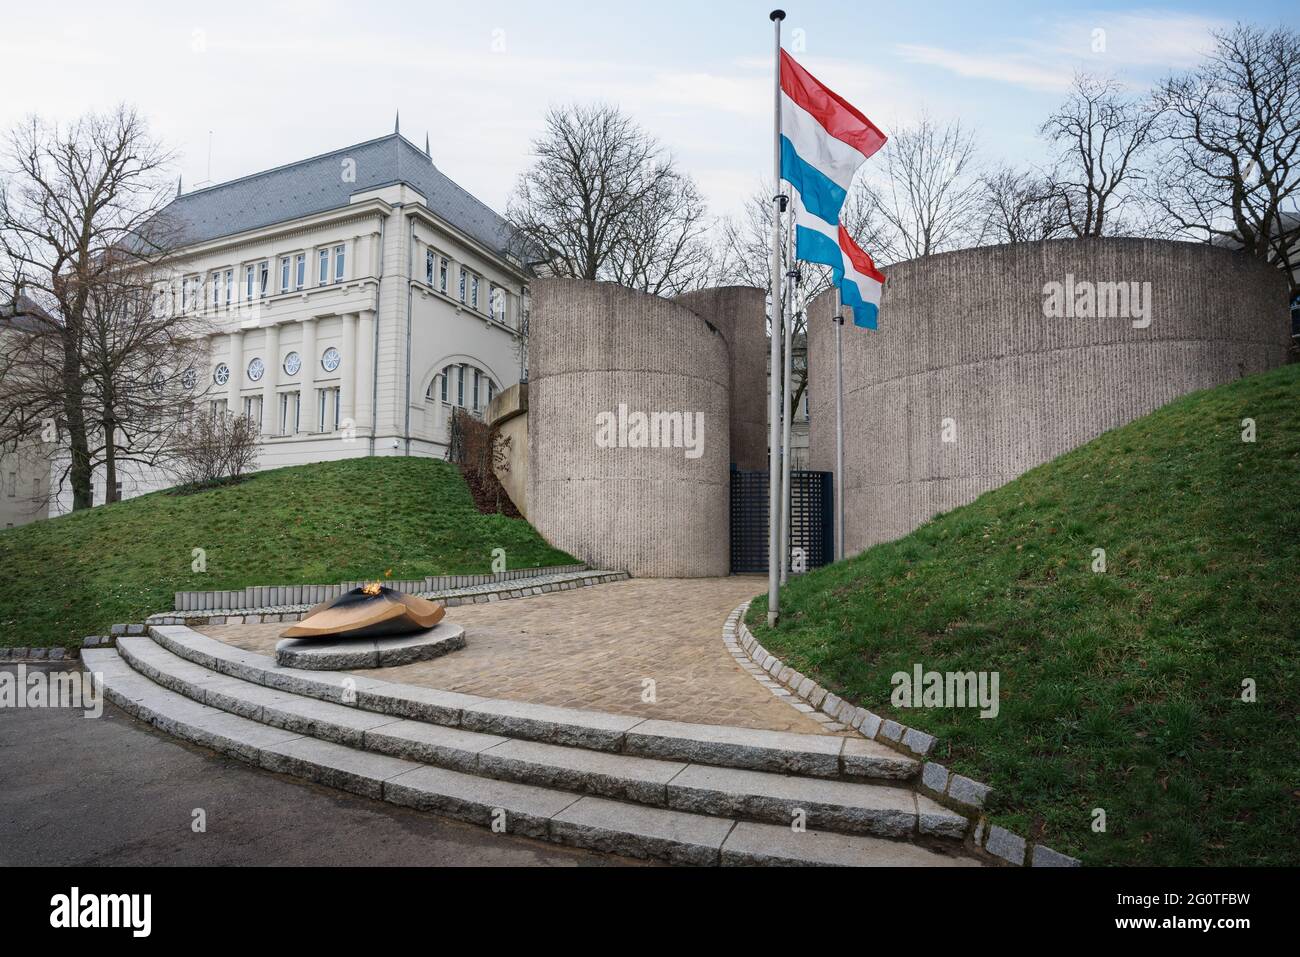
(141, 358)
(1102, 136)
(604, 200)
(212, 448)
(1018, 206)
(745, 249)
(79, 224)
(1231, 132)
(745, 241)
(930, 196)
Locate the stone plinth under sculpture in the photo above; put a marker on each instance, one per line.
(369, 627)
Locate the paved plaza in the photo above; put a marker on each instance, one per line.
(595, 648)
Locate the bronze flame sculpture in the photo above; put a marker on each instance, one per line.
(368, 612)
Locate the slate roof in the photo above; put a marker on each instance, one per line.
(24, 313)
(316, 185)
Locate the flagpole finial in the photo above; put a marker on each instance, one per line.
(777, 15)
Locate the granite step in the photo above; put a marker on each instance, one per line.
(816, 755)
(587, 821)
(849, 806)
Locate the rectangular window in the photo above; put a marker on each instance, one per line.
(339, 262)
(300, 272)
(284, 274)
(216, 289)
(117, 491)
(263, 277)
(324, 272)
(476, 389)
(36, 488)
(230, 286)
(442, 274)
(446, 374)
(250, 277)
(253, 410)
(328, 408)
(492, 391)
(289, 413)
(460, 387)
(473, 285)
(428, 266)
(217, 407)
(462, 285)
(11, 487)
(185, 294)
(497, 303)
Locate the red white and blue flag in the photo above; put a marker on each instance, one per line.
(823, 142)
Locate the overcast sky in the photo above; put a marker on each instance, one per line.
(275, 82)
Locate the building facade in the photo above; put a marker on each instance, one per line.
(351, 302)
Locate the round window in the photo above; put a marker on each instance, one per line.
(256, 369)
(292, 363)
(157, 382)
(331, 360)
(189, 379)
(221, 374)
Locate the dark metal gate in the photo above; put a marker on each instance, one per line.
(812, 526)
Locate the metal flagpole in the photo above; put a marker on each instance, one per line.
(788, 343)
(839, 427)
(774, 367)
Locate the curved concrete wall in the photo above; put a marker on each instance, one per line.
(740, 314)
(653, 512)
(964, 336)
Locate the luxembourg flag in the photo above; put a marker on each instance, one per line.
(823, 142)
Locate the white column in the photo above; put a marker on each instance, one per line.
(236, 364)
(307, 377)
(363, 380)
(270, 398)
(348, 370)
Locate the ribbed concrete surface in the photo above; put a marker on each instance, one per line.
(650, 511)
(740, 314)
(963, 336)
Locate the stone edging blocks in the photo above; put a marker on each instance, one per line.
(261, 596)
(959, 793)
(37, 654)
(479, 593)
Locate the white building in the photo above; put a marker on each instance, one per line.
(354, 299)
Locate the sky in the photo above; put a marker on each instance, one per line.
(239, 87)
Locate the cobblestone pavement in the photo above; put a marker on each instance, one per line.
(594, 648)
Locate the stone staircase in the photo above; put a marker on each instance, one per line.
(683, 793)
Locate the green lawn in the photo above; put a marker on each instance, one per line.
(313, 524)
(1121, 690)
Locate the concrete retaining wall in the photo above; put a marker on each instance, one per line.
(508, 413)
(740, 314)
(963, 337)
(653, 512)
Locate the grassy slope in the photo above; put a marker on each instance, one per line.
(1119, 690)
(313, 524)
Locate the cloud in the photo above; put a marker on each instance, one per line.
(1142, 42)
(1017, 69)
